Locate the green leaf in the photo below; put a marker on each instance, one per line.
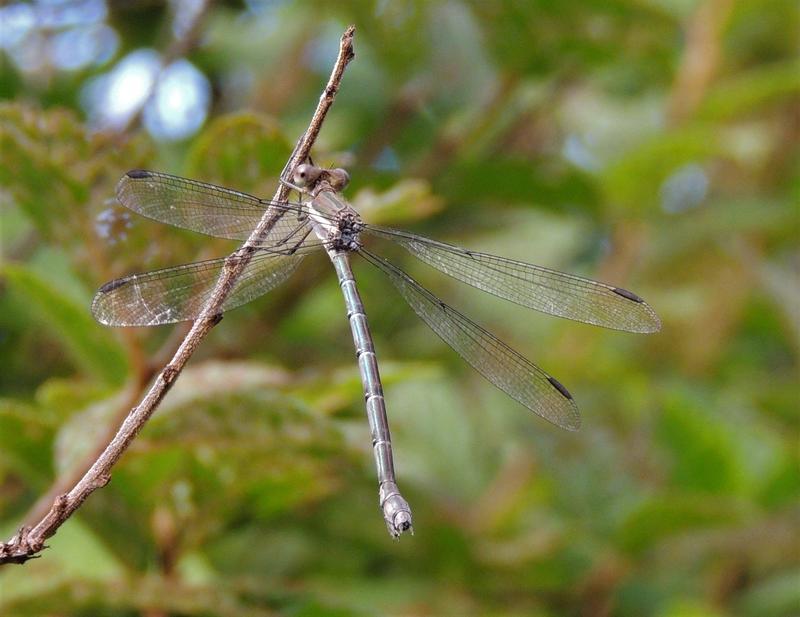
(703, 457)
(242, 151)
(782, 487)
(33, 146)
(24, 437)
(224, 444)
(670, 514)
(406, 200)
(515, 180)
(632, 182)
(90, 346)
(777, 596)
(681, 607)
(76, 554)
(748, 91)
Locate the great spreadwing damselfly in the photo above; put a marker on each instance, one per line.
(324, 220)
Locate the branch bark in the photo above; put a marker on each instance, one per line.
(29, 540)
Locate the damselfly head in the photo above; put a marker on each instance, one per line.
(308, 176)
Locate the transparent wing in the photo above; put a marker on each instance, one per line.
(505, 368)
(549, 291)
(205, 208)
(179, 293)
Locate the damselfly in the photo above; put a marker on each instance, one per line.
(323, 219)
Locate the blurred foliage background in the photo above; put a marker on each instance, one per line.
(649, 143)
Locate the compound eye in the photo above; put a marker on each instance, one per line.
(339, 178)
(305, 175)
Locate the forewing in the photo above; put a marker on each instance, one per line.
(542, 289)
(204, 208)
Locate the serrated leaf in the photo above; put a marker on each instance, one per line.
(225, 441)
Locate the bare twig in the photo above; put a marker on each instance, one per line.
(141, 370)
(30, 540)
(68, 479)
